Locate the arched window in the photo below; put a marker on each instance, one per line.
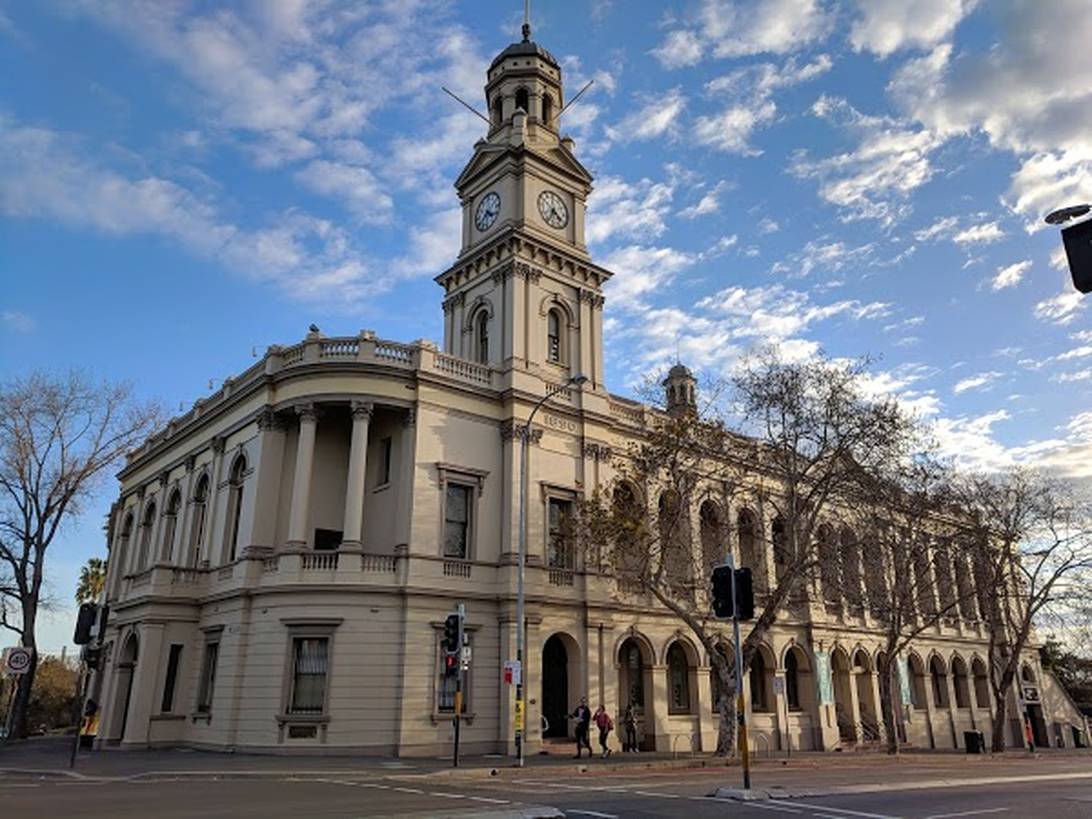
(521, 100)
(923, 576)
(629, 558)
(146, 526)
(716, 687)
(547, 109)
(483, 337)
(940, 682)
(875, 571)
(633, 665)
(850, 556)
(827, 550)
(981, 684)
(779, 538)
(965, 586)
(747, 534)
(498, 111)
(675, 538)
(553, 337)
(792, 681)
(917, 682)
(712, 536)
(235, 504)
(962, 688)
(124, 543)
(942, 568)
(678, 675)
(759, 699)
(170, 525)
(197, 521)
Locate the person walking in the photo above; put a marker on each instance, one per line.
(605, 725)
(582, 715)
(629, 722)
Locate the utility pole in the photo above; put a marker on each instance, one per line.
(741, 711)
(733, 596)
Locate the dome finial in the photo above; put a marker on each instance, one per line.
(526, 21)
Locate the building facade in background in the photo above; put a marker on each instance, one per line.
(283, 556)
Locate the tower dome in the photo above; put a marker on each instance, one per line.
(681, 390)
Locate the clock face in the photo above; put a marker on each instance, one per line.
(488, 211)
(552, 209)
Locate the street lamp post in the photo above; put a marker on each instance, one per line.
(521, 557)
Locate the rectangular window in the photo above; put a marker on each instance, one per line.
(385, 461)
(172, 676)
(327, 540)
(208, 678)
(309, 675)
(445, 689)
(559, 548)
(457, 521)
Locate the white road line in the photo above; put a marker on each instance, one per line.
(591, 813)
(764, 806)
(966, 813)
(408, 790)
(839, 811)
(444, 795)
(658, 795)
(489, 800)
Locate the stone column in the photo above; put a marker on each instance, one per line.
(658, 678)
(301, 480)
(145, 684)
(260, 501)
(407, 463)
(358, 469)
(855, 701)
(708, 718)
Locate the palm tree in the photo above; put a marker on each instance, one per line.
(92, 580)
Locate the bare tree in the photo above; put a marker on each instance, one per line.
(915, 566)
(809, 434)
(1033, 548)
(58, 438)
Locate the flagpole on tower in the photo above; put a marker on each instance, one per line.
(526, 20)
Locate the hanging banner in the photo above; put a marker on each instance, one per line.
(904, 679)
(823, 678)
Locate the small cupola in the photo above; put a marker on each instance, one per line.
(524, 77)
(680, 391)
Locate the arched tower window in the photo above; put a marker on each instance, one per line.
(498, 111)
(553, 337)
(123, 554)
(712, 536)
(170, 524)
(200, 507)
(483, 337)
(547, 109)
(235, 504)
(522, 100)
(146, 526)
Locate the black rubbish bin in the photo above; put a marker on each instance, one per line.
(974, 742)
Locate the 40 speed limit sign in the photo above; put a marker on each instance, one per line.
(17, 661)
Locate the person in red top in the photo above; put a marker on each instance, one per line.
(605, 725)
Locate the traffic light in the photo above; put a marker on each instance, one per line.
(744, 604)
(1078, 250)
(85, 622)
(451, 665)
(451, 634)
(722, 591)
(745, 595)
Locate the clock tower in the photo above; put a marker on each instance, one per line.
(523, 296)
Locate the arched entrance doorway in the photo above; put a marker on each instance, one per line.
(123, 692)
(843, 696)
(555, 688)
(635, 689)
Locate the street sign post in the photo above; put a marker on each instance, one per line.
(17, 661)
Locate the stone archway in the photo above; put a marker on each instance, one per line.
(125, 668)
(635, 689)
(867, 707)
(845, 710)
(555, 687)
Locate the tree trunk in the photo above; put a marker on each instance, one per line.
(999, 717)
(890, 727)
(20, 713)
(726, 731)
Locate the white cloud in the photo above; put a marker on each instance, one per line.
(979, 234)
(657, 117)
(679, 49)
(1061, 309)
(743, 28)
(826, 256)
(885, 26)
(767, 225)
(1010, 275)
(875, 180)
(730, 130)
(942, 228)
(362, 193)
(709, 203)
(981, 381)
(624, 209)
(640, 270)
(434, 245)
(17, 321)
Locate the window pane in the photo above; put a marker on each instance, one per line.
(208, 678)
(456, 509)
(455, 539)
(309, 675)
(456, 521)
(559, 545)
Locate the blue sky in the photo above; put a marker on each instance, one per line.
(183, 182)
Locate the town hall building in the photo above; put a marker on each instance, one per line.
(282, 557)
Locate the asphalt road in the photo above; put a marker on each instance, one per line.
(648, 794)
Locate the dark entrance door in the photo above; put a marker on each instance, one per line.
(555, 688)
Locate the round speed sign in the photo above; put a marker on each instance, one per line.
(18, 661)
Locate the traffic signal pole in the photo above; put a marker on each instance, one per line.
(741, 711)
(459, 684)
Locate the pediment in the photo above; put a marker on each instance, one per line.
(486, 155)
